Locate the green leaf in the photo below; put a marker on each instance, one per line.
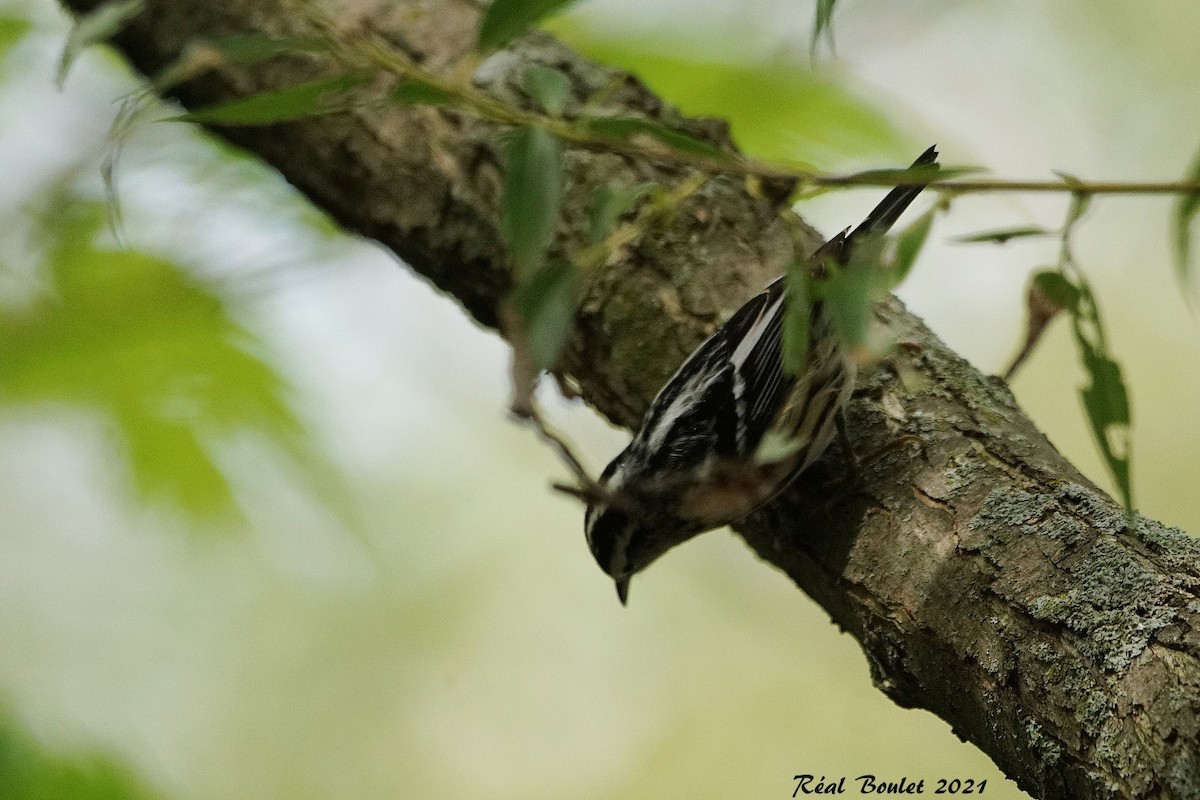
(546, 306)
(254, 48)
(1080, 203)
(206, 54)
(1071, 182)
(549, 87)
(796, 320)
(908, 246)
(31, 771)
(98, 25)
(624, 129)
(910, 175)
(1050, 293)
(281, 105)
(1106, 401)
(608, 204)
(822, 25)
(156, 352)
(778, 110)
(849, 291)
(1106, 398)
(1185, 212)
(1057, 288)
(505, 20)
(1003, 235)
(12, 30)
(532, 188)
(418, 92)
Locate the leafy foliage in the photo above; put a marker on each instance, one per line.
(29, 771)
(777, 110)
(157, 353)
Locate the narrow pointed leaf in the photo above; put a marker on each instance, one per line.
(281, 105)
(251, 48)
(1106, 401)
(97, 25)
(254, 48)
(624, 129)
(1185, 213)
(418, 92)
(910, 176)
(505, 20)
(1003, 235)
(1080, 203)
(849, 291)
(532, 188)
(608, 204)
(1072, 182)
(822, 25)
(546, 306)
(1057, 289)
(1050, 293)
(1106, 398)
(908, 246)
(549, 87)
(796, 320)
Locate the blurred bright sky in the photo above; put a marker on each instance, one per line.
(458, 640)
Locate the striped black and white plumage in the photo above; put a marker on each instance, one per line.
(730, 429)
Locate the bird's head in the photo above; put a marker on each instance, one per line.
(611, 533)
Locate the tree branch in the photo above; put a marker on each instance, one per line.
(986, 579)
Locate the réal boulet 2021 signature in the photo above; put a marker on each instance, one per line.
(870, 784)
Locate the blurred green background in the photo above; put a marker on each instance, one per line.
(266, 532)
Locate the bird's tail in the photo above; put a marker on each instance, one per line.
(898, 199)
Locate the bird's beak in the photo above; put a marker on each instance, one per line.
(623, 589)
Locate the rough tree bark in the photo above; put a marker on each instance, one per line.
(987, 580)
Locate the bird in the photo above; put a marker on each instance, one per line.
(731, 429)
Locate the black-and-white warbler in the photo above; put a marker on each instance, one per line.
(731, 429)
